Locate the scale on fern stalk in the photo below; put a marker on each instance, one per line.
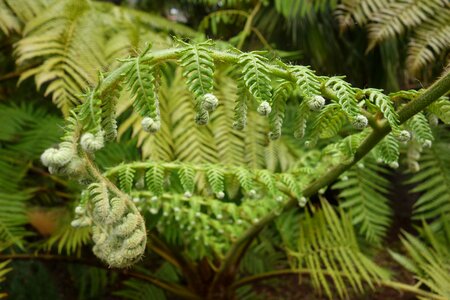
(113, 200)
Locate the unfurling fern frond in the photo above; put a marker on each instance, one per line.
(276, 117)
(387, 151)
(433, 183)
(141, 83)
(255, 75)
(441, 108)
(198, 69)
(363, 195)
(421, 129)
(385, 106)
(327, 246)
(215, 179)
(346, 98)
(307, 82)
(329, 122)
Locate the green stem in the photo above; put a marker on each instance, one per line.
(231, 262)
(248, 25)
(173, 288)
(387, 283)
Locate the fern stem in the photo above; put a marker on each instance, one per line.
(248, 25)
(168, 286)
(232, 259)
(387, 283)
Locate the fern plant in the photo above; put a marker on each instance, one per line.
(216, 129)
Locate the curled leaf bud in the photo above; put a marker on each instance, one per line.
(150, 125)
(316, 103)
(264, 108)
(56, 157)
(427, 144)
(220, 195)
(79, 210)
(279, 199)
(210, 102)
(187, 194)
(404, 136)
(202, 117)
(360, 122)
(394, 165)
(433, 120)
(239, 125)
(252, 193)
(91, 143)
(302, 201)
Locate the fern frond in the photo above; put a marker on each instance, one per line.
(8, 21)
(430, 40)
(432, 181)
(346, 97)
(327, 246)
(387, 150)
(363, 195)
(421, 129)
(385, 106)
(3, 271)
(126, 178)
(441, 108)
(429, 264)
(154, 178)
(276, 118)
(198, 69)
(397, 16)
(141, 83)
(256, 77)
(329, 122)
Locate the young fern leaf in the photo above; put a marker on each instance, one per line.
(90, 113)
(385, 106)
(363, 195)
(126, 178)
(421, 129)
(240, 108)
(215, 178)
(307, 82)
(187, 178)
(346, 98)
(255, 75)
(266, 177)
(108, 109)
(441, 108)
(154, 178)
(245, 178)
(142, 86)
(387, 151)
(198, 69)
(329, 122)
(276, 117)
(302, 114)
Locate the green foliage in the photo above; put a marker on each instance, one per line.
(363, 196)
(328, 249)
(428, 20)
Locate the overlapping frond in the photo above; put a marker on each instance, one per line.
(429, 262)
(363, 195)
(327, 246)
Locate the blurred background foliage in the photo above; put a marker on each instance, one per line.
(383, 44)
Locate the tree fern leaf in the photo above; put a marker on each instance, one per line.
(329, 122)
(154, 178)
(187, 178)
(215, 178)
(387, 150)
(276, 118)
(308, 84)
(363, 193)
(126, 178)
(386, 107)
(421, 129)
(346, 96)
(198, 69)
(255, 75)
(430, 40)
(327, 245)
(441, 108)
(432, 181)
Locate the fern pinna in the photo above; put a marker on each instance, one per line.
(216, 210)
